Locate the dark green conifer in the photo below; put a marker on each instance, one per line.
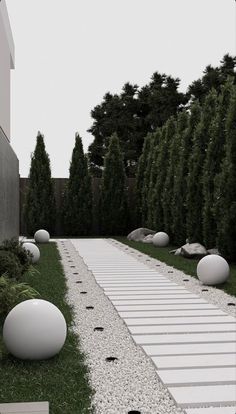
(142, 163)
(39, 208)
(153, 178)
(196, 162)
(226, 189)
(113, 204)
(161, 167)
(78, 194)
(214, 156)
(178, 181)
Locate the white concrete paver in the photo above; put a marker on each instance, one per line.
(191, 342)
(25, 408)
(211, 410)
(196, 338)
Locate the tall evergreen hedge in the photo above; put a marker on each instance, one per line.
(178, 196)
(153, 178)
(226, 188)
(78, 194)
(141, 167)
(39, 208)
(214, 156)
(113, 204)
(196, 162)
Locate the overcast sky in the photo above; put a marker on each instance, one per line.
(70, 53)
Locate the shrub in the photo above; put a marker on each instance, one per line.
(16, 247)
(10, 264)
(13, 292)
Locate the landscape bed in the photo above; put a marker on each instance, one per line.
(187, 266)
(63, 379)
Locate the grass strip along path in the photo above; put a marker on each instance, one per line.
(61, 380)
(188, 266)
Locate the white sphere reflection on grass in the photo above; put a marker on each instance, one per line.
(34, 329)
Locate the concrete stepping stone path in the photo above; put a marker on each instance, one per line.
(191, 342)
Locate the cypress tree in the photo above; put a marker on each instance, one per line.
(214, 157)
(179, 172)
(146, 181)
(195, 178)
(226, 191)
(168, 194)
(40, 209)
(153, 178)
(113, 204)
(161, 167)
(78, 194)
(142, 162)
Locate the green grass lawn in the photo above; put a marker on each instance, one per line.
(187, 266)
(61, 380)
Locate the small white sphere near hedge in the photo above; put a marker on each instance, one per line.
(42, 236)
(34, 250)
(212, 270)
(34, 329)
(160, 239)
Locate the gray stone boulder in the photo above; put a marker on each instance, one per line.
(213, 251)
(148, 238)
(193, 250)
(140, 234)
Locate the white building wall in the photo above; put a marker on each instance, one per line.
(6, 64)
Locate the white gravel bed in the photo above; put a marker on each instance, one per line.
(129, 384)
(212, 295)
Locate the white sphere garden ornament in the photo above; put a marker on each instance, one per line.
(34, 329)
(212, 270)
(34, 250)
(42, 236)
(160, 239)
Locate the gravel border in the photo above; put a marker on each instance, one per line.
(129, 384)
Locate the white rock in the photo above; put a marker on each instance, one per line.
(160, 239)
(193, 250)
(34, 329)
(32, 249)
(139, 234)
(212, 270)
(42, 236)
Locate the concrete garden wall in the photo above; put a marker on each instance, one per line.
(9, 190)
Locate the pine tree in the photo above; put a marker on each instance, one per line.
(113, 204)
(195, 179)
(142, 162)
(226, 191)
(78, 194)
(179, 160)
(214, 157)
(40, 209)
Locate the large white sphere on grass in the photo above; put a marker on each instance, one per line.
(42, 236)
(34, 250)
(34, 329)
(160, 239)
(212, 270)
